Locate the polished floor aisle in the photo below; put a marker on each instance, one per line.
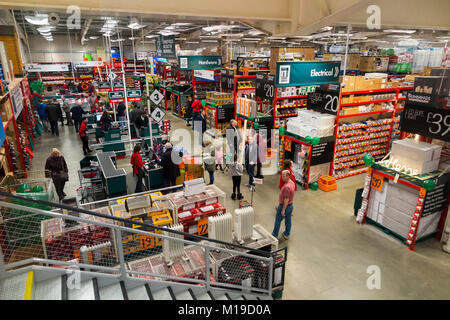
(328, 252)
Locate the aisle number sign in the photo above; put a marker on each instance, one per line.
(377, 182)
(203, 226)
(158, 115)
(156, 97)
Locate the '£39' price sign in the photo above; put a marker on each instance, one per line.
(377, 182)
(426, 121)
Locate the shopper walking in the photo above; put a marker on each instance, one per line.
(288, 165)
(189, 110)
(138, 167)
(43, 116)
(120, 112)
(209, 160)
(57, 166)
(285, 206)
(262, 153)
(219, 157)
(196, 109)
(84, 136)
(54, 114)
(77, 115)
(236, 171)
(66, 109)
(234, 137)
(200, 125)
(171, 171)
(251, 157)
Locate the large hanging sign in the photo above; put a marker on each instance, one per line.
(116, 96)
(134, 95)
(301, 73)
(165, 47)
(38, 67)
(265, 86)
(426, 121)
(199, 62)
(87, 64)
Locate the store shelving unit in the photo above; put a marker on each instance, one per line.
(201, 86)
(248, 64)
(131, 68)
(167, 71)
(16, 135)
(286, 111)
(352, 142)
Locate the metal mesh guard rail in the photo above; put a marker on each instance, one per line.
(31, 234)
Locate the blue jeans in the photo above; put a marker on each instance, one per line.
(279, 218)
(211, 177)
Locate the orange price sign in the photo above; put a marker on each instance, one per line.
(377, 182)
(288, 145)
(203, 226)
(146, 242)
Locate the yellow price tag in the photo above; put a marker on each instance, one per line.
(203, 226)
(377, 182)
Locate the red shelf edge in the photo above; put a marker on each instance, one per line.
(364, 114)
(366, 102)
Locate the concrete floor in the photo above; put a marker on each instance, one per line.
(328, 252)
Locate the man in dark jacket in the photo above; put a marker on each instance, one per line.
(251, 158)
(233, 137)
(54, 114)
(200, 125)
(140, 123)
(170, 169)
(120, 112)
(77, 115)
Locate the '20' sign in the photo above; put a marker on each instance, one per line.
(332, 103)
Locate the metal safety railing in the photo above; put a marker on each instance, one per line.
(144, 248)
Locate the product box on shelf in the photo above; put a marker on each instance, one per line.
(349, 83)
(371, 64)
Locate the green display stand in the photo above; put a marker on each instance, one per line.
(155, 179)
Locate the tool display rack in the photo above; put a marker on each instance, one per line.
(132, 67)
(167, 71)
(375, 144)
(300, 101)
(18, 131)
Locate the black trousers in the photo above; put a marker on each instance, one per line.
(59, 187)
(77, 124)
(85, 141)
(258, 170)
(236, 184)
(54, 127)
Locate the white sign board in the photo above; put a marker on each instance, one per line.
(156, 97)
(112, 76)
(158, 114)
(205, 74)
(87, 64)
(37, 67)
(17, 101)
(258, 181)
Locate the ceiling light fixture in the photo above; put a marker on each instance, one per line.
(399, 36)
(45, 29)
(40, 19)
(151, 36)
(399, 31)
(134, 24)
(93, 37)
(212, 41)
(117, 40)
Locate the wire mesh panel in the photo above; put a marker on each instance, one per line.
(131, 239)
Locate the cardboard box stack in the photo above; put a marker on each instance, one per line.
(414, 155)
(311, 123)
(374, 64)
(289, 54)
(246, 107)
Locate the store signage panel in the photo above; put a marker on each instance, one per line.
(322, 152)
(165, 47)
(436, 200)
(134, 95)
(87, 64)
(17, 101)
(37, 67)
(225, 113)
(265, 86)
(199, 62)
(429, 122)
(302, 73)
(116, 96)
(104, 85)
(323, 100)
(205, 74)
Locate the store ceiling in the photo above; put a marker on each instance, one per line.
(195, 28)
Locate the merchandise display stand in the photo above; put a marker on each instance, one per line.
(310, 161)
(366, 121)
(219, 111)
(409, 207)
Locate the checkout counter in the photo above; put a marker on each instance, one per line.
(115, 179)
